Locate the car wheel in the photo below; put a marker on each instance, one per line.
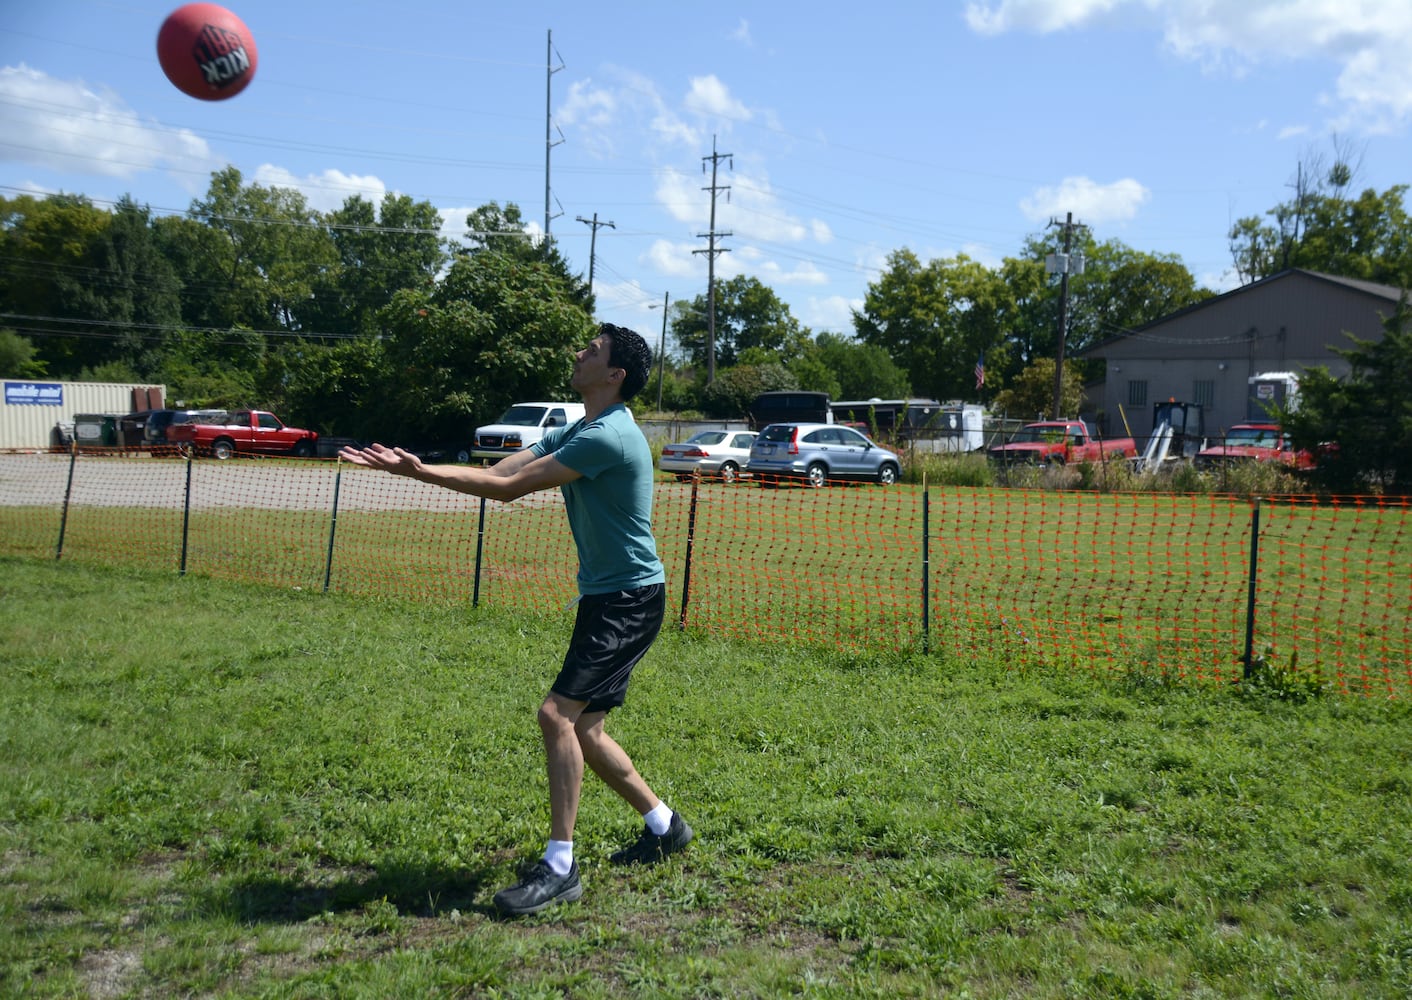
(730, 472)
(887, 475)
(817, 474)
(223, 448)
(303, 449)
(463, 456)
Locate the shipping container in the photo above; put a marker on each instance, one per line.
(37, 414)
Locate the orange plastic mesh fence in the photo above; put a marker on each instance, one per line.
(399, 536)
(838, 566)
(1134, 583)
(1131, 582)
(1334, 592)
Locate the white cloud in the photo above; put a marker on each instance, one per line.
(1090, 202)
(755, 213)
(681, 196)
(832, 312)
(741, 33)
(1367, 39)
(64, 125)
(1042, 16)
(803, 273)
(709, 96)
(595, 111)
(324, 191)
(676, 260)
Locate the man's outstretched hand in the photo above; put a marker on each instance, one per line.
(376, 456)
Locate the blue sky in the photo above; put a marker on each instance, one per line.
(854, 129)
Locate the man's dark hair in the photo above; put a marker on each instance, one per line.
(630, 353)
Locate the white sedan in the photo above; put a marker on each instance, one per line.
(712, 453)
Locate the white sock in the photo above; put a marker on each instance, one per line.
(659, 818)
(559, 856)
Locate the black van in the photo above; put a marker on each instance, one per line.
(794, 406)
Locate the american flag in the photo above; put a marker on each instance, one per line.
(980, 371)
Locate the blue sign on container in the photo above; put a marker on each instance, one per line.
(34, 394)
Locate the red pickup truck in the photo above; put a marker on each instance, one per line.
(1253, 442)
(244, 432)
(1060, 442)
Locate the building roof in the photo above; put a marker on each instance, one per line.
(1390, 293)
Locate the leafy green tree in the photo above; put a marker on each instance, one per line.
(504, 231)
(500, 327)
(1031, 393)
(862, 371)
(730, 396)
(216, 369)
(335, 388)
(256, 258)
(935, 319)
(132, 289)
(1360, 427)
(1323, 228)
(46, 244)
(748, 314)
(381, 250)
(18, 356)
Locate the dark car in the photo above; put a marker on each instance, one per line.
(158, 421)
(818, 453)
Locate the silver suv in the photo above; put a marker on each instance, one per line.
(817, 453)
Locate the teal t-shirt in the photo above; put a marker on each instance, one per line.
(610, 508)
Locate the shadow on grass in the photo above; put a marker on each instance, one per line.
(414, 891)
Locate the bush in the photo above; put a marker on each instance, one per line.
(948, 469)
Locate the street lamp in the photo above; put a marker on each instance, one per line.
(661, 348)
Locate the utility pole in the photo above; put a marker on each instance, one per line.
(549, 144)
(1065, 263)
(711, 251)
(593, 244)
(662, 351)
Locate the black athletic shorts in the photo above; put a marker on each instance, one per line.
(611, 634)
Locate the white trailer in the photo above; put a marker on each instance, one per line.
(1271, 391)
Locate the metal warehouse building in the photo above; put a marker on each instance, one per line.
(1207, 353)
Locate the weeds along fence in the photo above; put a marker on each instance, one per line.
(1164, 587)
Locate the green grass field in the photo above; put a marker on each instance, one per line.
(213, 789)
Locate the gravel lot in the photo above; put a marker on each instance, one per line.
(30, 479)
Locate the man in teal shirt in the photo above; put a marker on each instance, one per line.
(603, 466)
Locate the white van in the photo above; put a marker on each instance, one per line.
(521, 426)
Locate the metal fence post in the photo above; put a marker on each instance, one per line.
(480, 548)
(690, 543)
(926, 568)
(186, 513)
(68, 492)
(1248, 659)
(333, 525)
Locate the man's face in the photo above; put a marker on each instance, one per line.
(591, 367)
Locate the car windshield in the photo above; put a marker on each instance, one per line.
(1038, 435)
(1255, 437)
(778, 432)
(707, 437)
(523, 416)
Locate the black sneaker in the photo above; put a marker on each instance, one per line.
(649, 848)
(540, 888)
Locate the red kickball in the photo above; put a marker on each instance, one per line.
(206, 51)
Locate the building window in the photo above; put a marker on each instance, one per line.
(1203, 393)
(1137, 392)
